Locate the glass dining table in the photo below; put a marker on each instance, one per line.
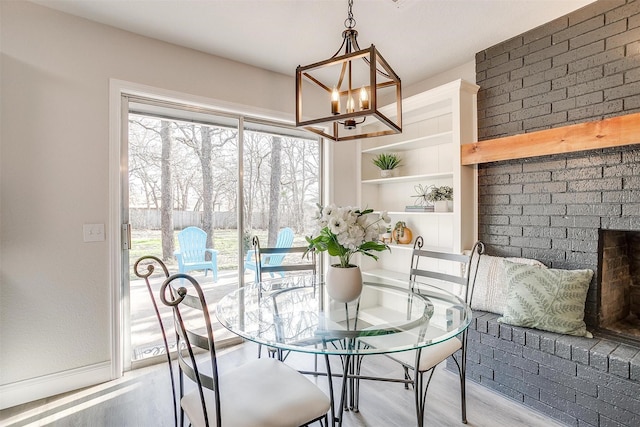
(296, 314)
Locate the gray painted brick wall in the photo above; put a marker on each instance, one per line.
(579, 68)
(578, 381)
(582, 67)
(551, 208)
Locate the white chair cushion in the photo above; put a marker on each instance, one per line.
(429, 356)
(260, 393)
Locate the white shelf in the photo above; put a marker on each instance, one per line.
(435, 124)
(401, 278)
(396, 246)
(414, 143)
(424, 248)
(408, 178)
(419, 213)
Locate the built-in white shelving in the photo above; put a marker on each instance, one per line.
(435, 124)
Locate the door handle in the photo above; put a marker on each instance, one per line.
(126, 236)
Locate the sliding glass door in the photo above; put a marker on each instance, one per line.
(184, 170)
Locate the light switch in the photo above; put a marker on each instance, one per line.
(93, 232)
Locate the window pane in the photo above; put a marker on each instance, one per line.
(281, 184)
(182, 173)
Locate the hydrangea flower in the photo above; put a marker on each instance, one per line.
(345, 231)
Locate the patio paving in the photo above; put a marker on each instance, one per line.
(146, 338)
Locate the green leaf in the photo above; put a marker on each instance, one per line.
(373, 246)
(334, 248)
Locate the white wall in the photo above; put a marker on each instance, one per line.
(54, 152)
(54, 177)
(465, 71)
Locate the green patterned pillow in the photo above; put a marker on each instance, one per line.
(546, 298)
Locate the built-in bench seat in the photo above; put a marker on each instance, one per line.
(578, 381)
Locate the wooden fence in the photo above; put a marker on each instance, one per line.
(149, 219)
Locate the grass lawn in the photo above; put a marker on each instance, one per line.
(147, 242)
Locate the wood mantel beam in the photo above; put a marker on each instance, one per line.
(612, 132)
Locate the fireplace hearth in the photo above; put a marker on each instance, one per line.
(618, 284)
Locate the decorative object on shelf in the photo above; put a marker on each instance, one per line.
(421, 195)
(387, 162)
(441, 197)
(386, 237)
(441, 206)
(344, 232)
(402, 234)
(362, 73)
(418, 208)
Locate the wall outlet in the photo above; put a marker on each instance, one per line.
(93, 232)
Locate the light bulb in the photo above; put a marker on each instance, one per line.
(364, 99)
(350, 105)
(335, 101)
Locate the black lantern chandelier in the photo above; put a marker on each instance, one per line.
(343, 92)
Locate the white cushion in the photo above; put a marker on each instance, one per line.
(490, 291)
(430, 356)
(263, 392)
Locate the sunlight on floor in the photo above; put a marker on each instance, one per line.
(67, 406)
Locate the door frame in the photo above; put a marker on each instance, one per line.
(117, 163)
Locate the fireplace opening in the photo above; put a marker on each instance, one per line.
(619, 283)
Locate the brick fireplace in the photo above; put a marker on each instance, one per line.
(567, 210)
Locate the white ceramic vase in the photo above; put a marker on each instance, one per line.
(386, 173)
(441, 206)
(344, 284)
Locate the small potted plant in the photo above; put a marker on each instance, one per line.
(387, 162)
(440, 196)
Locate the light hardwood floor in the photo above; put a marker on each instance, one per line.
(141, 398)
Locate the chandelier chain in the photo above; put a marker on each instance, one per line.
(350, 22)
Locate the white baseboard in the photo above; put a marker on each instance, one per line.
(49, 385)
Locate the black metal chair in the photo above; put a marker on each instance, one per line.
(263, 252)
(262, 392)
(426, 359)
(309, 265)
(144, 268)
(446, 271)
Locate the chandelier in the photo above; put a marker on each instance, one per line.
(338, 97)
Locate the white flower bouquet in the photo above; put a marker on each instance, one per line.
(345, 231)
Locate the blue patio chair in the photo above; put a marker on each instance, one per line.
(284, 240)
(193, 250)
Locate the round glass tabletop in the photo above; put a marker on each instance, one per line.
(295, 313)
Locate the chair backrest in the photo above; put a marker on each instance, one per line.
(309, 263)
(448, 271)
(193, 242)
(184, 294)
(144, 268)
(284, 240)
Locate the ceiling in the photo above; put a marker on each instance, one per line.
(419, 38)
